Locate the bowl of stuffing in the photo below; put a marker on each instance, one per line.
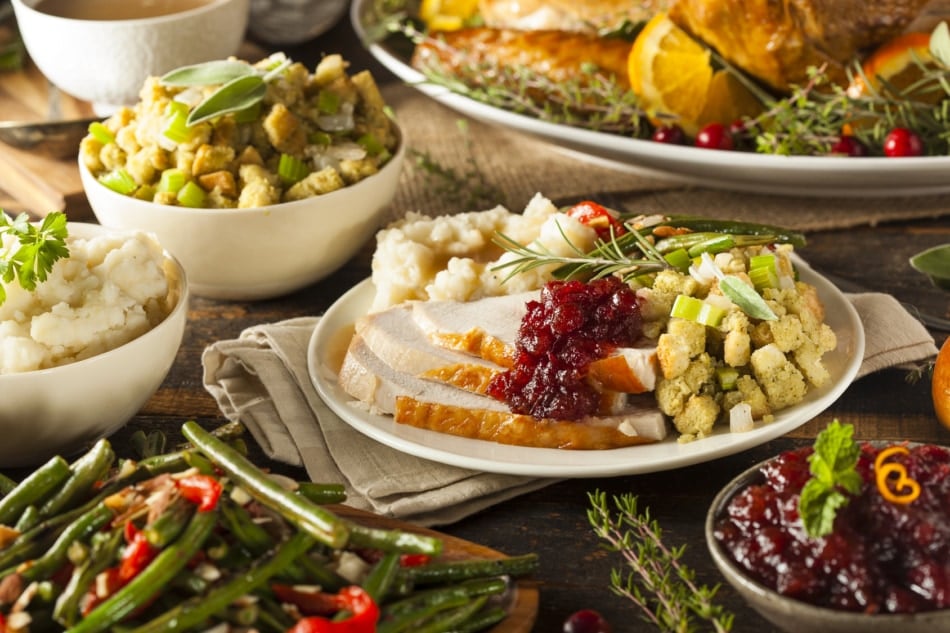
(841, 537)
(86, 338)
(103, 51)
(261, 178)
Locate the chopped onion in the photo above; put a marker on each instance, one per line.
(342, 121)
(706, 272)
(740, 418)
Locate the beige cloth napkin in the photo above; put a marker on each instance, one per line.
(261, 379)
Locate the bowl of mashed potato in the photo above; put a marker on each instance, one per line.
(259, 202)
(82, 352)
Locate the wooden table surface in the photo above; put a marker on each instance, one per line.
(575, 571)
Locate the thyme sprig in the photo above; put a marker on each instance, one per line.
(655, 579)
(606, 259)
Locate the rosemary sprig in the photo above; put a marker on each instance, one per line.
(664, 589)
(608, 258)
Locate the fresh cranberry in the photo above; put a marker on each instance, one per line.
(715, 136)
(848, 145)
(903, 142)
(586, 621)
(669, 134)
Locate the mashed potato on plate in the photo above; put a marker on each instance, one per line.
(110, 290)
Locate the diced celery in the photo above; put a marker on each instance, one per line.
(328, 102)
(371, 144)
(101, 133)
(191, 195)
(678, 259)
(119, 180)
(763, 277)
(727, 377)
(693, 309)
(291, 169)
(320, 138)
(762, 261)
(145, 192)
(172, 180)
(176, 122)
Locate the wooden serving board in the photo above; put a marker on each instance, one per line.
(523, 609)
(24, 96)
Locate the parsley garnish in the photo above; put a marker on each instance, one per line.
(30, 257)
(833, 474)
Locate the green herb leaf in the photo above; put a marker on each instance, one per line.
(940, 43)
(236, 95)
(935, 263)
(833, 474)
(31, 258)
(745, 296)
(208, 74)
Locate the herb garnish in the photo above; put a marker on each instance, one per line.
(833, 478)
(241, 85)
(30, 258)
(662, 587)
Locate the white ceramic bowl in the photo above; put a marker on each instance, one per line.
(293, 21)
(795, 616)
(107, 61)
(62, 409)
(262, 252)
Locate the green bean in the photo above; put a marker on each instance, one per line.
(33, 489)
(79, 530)
(227, 432)
(86, 471)
(481, 621)
(465, 590)
(153, 578)
(448, 620)
(320, 574)
(451, 571)
(169, 524)
(394, 540)
(412, 620)
(148, 444)
(197, 610)
(28, 519)
(249, 534)
(322, 493)
(326, 527)
(380, 578)
(105, 546)
(703, 224)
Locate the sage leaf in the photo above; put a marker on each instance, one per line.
(935, 263)
(210, 73)
(237, 94)
(744, 296)
(940, 44)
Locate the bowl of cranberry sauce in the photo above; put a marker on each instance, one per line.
(884, 565)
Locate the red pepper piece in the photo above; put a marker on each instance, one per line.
(354, 600)
(598, 218)
(202, 490)
(414, 560)
(312, 602)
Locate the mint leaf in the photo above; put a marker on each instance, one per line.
(833, 474)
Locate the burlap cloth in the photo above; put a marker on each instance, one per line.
(261, 378)
(517, 166)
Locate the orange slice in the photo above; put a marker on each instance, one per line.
(671, 73)
(446, 15)
(897, 62)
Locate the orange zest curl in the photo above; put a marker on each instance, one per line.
(900, 489)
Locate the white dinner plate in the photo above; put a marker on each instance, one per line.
(335, 329)
(825, 176)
